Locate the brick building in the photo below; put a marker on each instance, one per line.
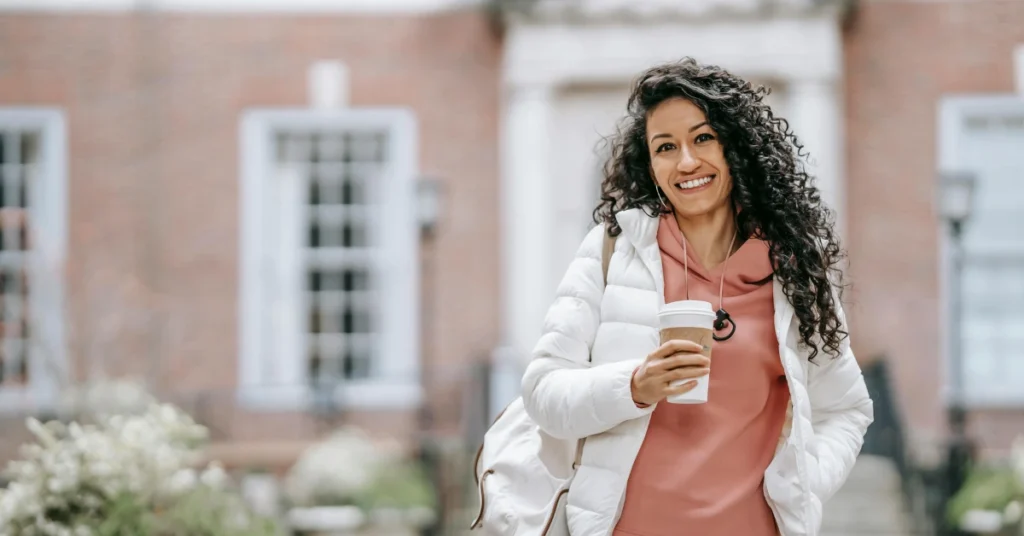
(933, 86)
(227, 202)
(168, 138)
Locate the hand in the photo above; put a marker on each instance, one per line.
(673, 361)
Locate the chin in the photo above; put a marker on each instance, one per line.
(698, 207)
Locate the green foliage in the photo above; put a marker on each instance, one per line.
(402, 485)
(201, 512)
(986, 488)
(210, 512)
(125, 516)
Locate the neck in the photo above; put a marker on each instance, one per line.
(710, 234)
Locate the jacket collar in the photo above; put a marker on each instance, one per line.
(641, 230)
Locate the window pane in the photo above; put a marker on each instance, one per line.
(366, 147)
(19, 153)
(341, 314)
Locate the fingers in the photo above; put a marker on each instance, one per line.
(675, 346)
(672, 362)
(679, 360)
(682, 389)
(687, 373)
(658, 376)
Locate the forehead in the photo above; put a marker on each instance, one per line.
(674, 114)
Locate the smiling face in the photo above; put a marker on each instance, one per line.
(687, 159)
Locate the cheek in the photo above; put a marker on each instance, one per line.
(727, 187)
(663, 170)
(720, 162)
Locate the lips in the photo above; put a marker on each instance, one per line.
(694, 183)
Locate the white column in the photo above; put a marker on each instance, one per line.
(816, 114)
(527, 203)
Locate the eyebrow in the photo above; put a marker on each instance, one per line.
(694, 127)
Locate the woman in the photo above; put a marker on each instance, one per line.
(709, 201)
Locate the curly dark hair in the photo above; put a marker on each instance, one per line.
(778, 202)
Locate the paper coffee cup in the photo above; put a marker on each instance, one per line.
(691, 320)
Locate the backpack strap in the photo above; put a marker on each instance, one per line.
(606, 253)
(606, 260)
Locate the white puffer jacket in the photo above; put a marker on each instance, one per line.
(617, 327)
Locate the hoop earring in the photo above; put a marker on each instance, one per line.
(657, 190)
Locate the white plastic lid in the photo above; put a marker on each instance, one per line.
(690, 307)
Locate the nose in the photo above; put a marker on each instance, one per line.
(688, 162)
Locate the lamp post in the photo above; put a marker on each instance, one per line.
(429, 194)
(429, 200)
(428, 197)
(955, 204)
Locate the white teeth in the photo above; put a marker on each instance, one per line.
(694, 183)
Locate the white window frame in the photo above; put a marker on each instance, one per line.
(47, 205)
(272, 367)
(954, 110)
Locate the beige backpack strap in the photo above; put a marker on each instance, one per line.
(606, 253)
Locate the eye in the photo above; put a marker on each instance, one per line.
(665, 147)
(703, 137)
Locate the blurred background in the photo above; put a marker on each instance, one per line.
(291, 218)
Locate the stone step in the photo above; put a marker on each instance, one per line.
(886, 531)
(869, 503)
(860, 502)
(840, 517)
(873, 473)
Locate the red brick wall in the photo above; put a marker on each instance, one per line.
(901, 58)
(153, 104)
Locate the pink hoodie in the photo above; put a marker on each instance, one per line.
(701, 466)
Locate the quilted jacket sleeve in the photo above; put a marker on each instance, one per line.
(563, 393)
(841, 412)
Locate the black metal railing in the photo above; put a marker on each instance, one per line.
(886, 437)
(927, 490)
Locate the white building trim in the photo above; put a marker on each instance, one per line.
(805, 48)
(955, 109)
(273, 258)
(815, 113)
(542, 58)
(527, 197)
(660, 10)
(48, 212)
(242, 6)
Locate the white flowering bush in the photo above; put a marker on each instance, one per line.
(350, 469)
(123, 474)
(335, 470)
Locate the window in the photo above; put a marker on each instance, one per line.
(32, 243)
(984, 135)
(329, 246)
